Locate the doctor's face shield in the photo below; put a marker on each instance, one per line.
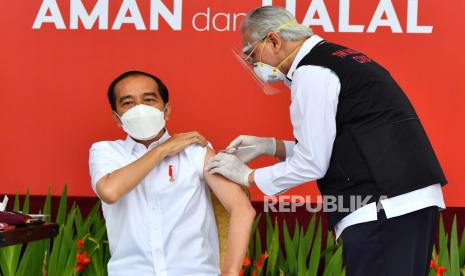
(269, 78)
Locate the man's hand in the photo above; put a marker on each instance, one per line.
(178, 142)
(231, 167)
(121, 181)
(263, 146)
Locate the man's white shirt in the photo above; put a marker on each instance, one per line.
(165, 226)
(315, 95)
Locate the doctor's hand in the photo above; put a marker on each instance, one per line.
(262, 146)
(231, 167)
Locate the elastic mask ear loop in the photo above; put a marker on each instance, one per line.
(250, 54)
(117, 116)
(164, 110)
(285, 25)
(164, 115)
(290, 54)
(276, 68)
(266, 39)
(261, 53)
(293, 51)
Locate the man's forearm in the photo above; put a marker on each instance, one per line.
(240, 225)
(120, 182)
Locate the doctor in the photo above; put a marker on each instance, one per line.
(356, 133)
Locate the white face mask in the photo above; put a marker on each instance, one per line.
(143, 122)
(268, 73)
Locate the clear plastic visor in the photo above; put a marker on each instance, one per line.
(245, 56)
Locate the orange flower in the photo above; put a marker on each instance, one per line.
(80, 267)
(260, 261)
(82, 258)
(80, 243)
(241, 273)
(440, 271)
(254, 273)
(246, 261)
(82, 261)
(86, 261)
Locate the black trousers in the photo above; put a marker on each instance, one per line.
(399, 246)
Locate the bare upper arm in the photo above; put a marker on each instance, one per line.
(230, 194)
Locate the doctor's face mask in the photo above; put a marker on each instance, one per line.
(264, 71)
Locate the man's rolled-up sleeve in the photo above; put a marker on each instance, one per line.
(314, 92)
(101, 162)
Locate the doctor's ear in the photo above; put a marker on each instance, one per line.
(275, 40)
(167, 111)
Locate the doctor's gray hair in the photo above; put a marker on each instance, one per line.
(261, 21)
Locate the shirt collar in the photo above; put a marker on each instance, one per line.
(307, 46)
(129, 144)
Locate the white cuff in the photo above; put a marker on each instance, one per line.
(273, 153)
(289, 145)
(264, 180)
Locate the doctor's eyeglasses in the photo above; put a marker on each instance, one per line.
(248, 51)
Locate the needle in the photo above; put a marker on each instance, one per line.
(231, 150)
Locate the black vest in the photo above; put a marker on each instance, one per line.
(381, 148)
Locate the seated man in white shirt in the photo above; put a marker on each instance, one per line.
(155, 192)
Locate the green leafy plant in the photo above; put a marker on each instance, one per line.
(301, 253)
(305, 253)
(450, 258)
(60, 255)
(81, 247)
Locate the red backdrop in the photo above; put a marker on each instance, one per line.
(53, 78)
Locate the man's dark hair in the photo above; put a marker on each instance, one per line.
(111, 89)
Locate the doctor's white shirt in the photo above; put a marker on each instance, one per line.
(165, 226)
(315, 95)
